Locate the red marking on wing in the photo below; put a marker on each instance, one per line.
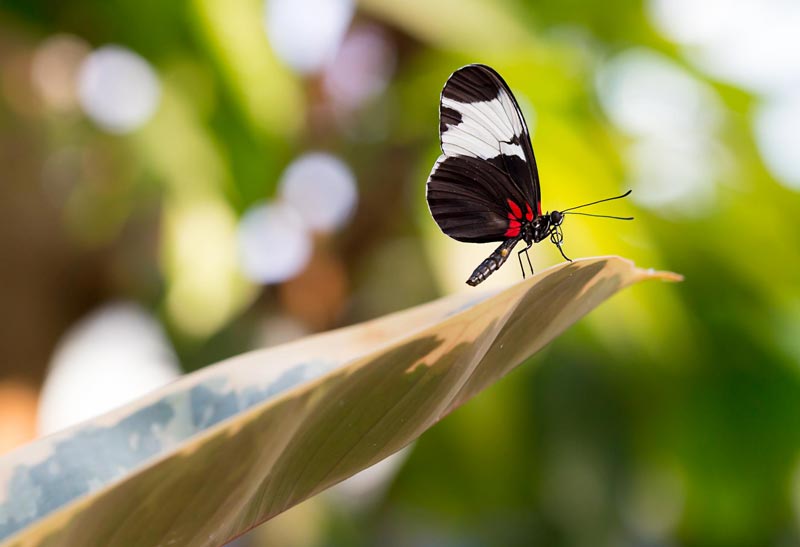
(529, 214)
(513, 226)
(539, 208)
(514, 209)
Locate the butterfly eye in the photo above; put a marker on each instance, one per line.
(556, 218)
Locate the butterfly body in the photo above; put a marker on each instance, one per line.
(485, 185)
(530, 232)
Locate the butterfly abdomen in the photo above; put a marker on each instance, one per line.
(491, 264)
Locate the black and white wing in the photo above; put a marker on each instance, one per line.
(485, 183)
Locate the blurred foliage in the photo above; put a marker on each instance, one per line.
(667, 417)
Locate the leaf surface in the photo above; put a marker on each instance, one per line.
(224, 449)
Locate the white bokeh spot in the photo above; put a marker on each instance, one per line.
(274, 243)
(751, 43)
(321, 188)
(118, 89)
(776, 125)
(115, 355)
(674, 159)
(645, 94)
(673, 175)
(362, 67)
(306, 34)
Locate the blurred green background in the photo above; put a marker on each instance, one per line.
(184, 181)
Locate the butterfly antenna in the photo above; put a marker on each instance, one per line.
(600, 216)
(596, 202)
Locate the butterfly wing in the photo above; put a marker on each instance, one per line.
(485, 183)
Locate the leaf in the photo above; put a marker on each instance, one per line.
(224, 449)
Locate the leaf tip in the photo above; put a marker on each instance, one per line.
(652, 273)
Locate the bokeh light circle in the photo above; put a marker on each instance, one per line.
(673, 175)
(305, 34)
(645, 94)
(118, 89)
(17, 413)
(673, 159)
(54, 70)
(321, 188)
(116, 354)
(274, 243)
(776, 124)
(362, 67)
(751, 43)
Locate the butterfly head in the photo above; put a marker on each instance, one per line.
(554, 230)
(554, 220)
(545, 225)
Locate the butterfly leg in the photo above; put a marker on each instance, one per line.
(557, 237)
(519, 257)
(562, 253)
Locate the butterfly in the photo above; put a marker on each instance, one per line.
(485, 185)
